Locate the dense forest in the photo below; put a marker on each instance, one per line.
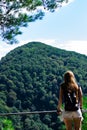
(30, 78)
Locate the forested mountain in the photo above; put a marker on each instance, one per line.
(30, 77)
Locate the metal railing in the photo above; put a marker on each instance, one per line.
(34, 112)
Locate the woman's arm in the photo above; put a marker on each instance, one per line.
(80, 94)
(60, 100)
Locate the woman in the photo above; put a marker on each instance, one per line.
(70, 114)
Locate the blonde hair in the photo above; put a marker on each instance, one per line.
(70, 82)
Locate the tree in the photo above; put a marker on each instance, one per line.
(7, 124)
(18, 13)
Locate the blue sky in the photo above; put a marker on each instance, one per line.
(66, 28)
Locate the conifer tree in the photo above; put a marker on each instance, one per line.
(18, 13)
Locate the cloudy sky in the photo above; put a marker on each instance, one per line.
(65, 29)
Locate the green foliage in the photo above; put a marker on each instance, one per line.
(18, 13)
(30, 78)
(6, 124)
(84, 122)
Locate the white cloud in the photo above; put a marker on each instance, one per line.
(77, 46)
(5, 48)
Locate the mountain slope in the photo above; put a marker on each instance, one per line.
(29, 81)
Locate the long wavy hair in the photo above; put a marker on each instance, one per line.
(70, 82)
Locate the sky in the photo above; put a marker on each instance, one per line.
(66, 29)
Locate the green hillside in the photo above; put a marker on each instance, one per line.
(30, 77)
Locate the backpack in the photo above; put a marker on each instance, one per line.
(70, 100)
